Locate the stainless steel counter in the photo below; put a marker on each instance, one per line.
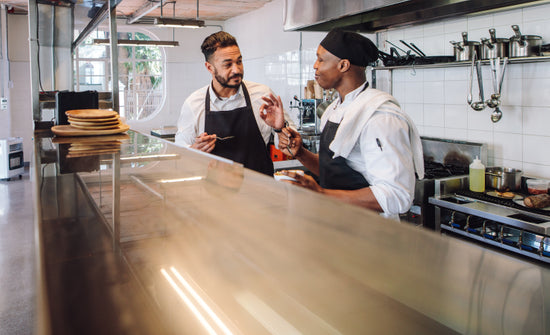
(152, 238)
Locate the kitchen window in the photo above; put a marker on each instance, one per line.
(140, 69)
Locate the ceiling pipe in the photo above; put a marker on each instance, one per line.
(148, 7)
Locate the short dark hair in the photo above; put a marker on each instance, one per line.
(221, 39)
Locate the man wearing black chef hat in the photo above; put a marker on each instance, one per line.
(369, 149)
(223, 118)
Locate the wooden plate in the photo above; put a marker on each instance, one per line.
(91, 113)
(68, 130)
(96, 123)
(98, 127)
(91, 153)
(91, 139)
(92, 148)
(107, 119)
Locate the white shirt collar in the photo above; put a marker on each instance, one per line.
(337, 111)
(353, 94)
(214, 97)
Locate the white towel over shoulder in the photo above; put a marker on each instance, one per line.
(355, 119)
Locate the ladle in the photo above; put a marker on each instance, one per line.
(497, 113)
(472, 69)
(494, 101)
(479, 105)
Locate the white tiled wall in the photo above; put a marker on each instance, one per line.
(436, 98)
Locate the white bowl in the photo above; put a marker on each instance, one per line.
(282, 177)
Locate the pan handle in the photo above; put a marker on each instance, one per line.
(493, 34)
(457, 45)
(409, 46)
(465, 37)
(418, 49)
(390, 43)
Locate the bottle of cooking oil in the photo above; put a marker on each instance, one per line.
(477, 176)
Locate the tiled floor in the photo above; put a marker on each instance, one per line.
(17, 273)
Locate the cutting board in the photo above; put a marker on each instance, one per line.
(68, 130)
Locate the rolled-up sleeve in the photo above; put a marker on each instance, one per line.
(388, 159)
(190, 120)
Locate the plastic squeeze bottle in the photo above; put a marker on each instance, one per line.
(477, 176)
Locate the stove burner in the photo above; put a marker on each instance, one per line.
(437, 170)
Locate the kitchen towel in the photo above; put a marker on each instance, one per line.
(356, 117)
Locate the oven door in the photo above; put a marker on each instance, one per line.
(15, 160)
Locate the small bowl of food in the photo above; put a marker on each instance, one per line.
(537, 186)
(280, 175)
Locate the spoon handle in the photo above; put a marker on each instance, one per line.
(480, 81)
(504, 62)
(470, 89)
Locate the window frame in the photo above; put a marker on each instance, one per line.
(106, 77)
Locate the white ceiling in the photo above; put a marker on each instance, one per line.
(214, 10)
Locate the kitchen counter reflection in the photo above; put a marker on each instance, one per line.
(152, 238)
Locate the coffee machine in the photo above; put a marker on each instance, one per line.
(308, 122)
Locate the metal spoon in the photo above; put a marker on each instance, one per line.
(224, 138)
(496, 115)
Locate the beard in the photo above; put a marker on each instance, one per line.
(225, 81)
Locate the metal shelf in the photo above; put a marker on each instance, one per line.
(519, 60)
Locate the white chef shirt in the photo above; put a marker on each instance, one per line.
(191, 119)
(390, 169)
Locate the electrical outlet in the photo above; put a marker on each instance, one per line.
(3, 103)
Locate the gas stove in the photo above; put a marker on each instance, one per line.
(489, 219)
(434, 170)
(443, 159)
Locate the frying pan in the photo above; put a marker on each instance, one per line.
(423, 59)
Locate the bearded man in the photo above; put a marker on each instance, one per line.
(223, 118)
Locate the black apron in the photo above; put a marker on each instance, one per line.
(335, 173)
(248, 146)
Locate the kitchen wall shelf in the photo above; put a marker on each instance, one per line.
(518, 60)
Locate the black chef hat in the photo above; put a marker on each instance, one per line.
(358, 49)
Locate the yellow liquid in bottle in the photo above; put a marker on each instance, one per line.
(477, 180)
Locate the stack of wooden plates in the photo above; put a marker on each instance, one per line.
(85, 122)
(86, 146)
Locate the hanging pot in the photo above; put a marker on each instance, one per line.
(494, 47)
(524, 45)
(465, 50)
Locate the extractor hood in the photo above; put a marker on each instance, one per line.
(374, 15)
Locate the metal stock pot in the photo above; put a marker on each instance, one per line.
(503, 179)
(524, 45)
(465, 50)
(494, 47)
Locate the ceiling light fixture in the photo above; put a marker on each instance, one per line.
(148, 7)
(123, 42)
(179, 23)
